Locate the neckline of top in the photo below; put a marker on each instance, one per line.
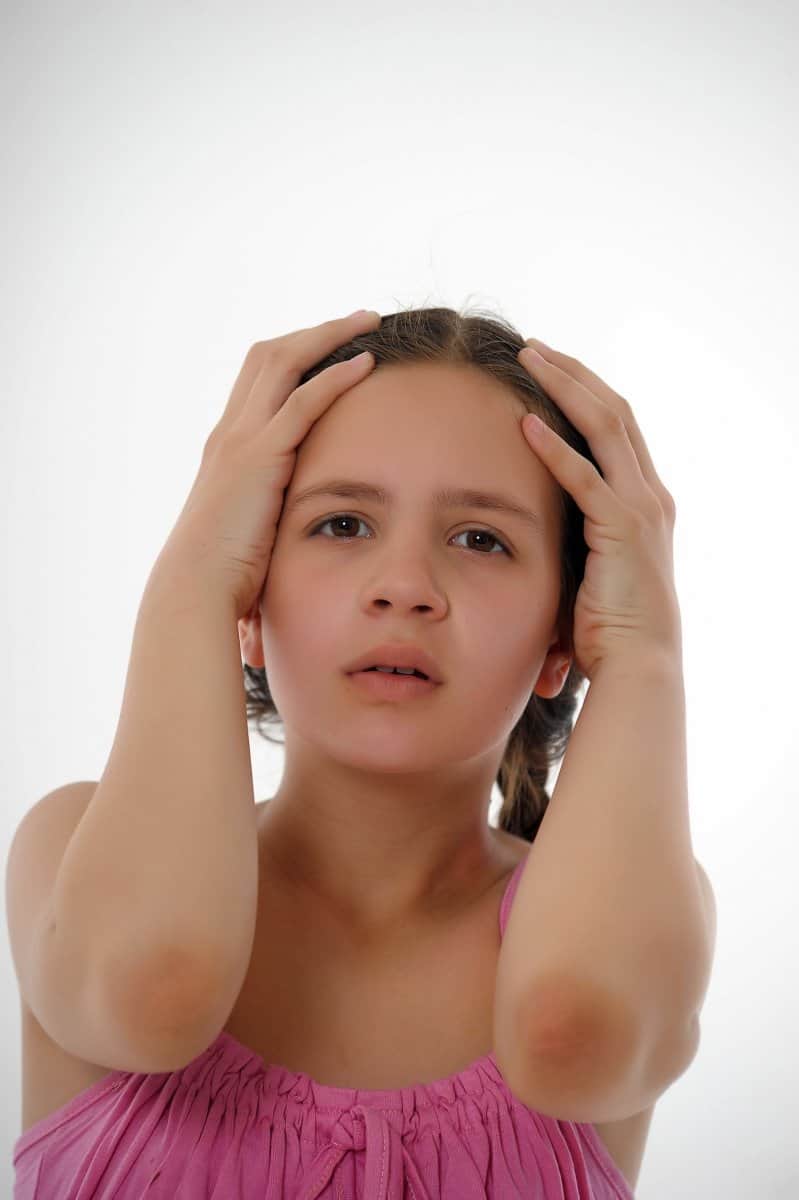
(329, 1095)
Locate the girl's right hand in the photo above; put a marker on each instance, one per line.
(224, 535)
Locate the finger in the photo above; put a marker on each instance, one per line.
(600, 425)
(305, 405)
(605, 393)
(580, 478)
(272, 369)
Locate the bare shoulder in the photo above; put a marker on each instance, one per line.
(515, 848)
(51, 1076)
(626, 1142)
(32, 863)
(59, 811)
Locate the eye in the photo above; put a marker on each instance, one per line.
(486, 533)
(338, 517)
(342, 517)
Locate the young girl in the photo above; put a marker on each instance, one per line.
(314, 996)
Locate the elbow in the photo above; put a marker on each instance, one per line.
(562, 1054)
(596, 1067)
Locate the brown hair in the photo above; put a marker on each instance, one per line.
(538, 740)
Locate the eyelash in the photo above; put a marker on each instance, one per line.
(352, 517)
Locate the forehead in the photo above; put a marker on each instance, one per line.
(413, 426)
(431, 383)
(424, 404)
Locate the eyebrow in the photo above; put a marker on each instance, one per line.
(353, 489)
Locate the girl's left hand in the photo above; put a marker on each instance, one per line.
(626, 610)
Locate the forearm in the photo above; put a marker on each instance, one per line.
(609, 912)
(163, 868)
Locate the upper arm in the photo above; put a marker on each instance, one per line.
(710, 906)
(77, 1005)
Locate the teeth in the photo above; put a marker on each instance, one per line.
(396, 670)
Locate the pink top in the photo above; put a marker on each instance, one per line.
(229, 1127)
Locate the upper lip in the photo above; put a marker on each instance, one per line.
(397, 654)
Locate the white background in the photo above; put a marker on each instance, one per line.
(619, 180)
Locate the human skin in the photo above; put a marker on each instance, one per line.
(390, 800)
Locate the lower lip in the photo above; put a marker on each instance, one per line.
(392, 687)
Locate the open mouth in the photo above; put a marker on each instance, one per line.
(396, 671)
(393, 685)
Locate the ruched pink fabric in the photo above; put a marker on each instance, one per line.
(229, 1127)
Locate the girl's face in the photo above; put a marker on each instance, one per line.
(476, 588)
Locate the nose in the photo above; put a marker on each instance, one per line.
(404, 581)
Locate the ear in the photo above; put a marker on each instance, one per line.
(252, 647)
(552, 675)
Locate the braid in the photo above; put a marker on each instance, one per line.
(537, 742)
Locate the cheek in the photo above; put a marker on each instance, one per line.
(496, 669)
(306, 629)
(512, 653)
(500, 696)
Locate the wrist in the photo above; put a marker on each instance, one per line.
(651, 662)
(177, 586)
